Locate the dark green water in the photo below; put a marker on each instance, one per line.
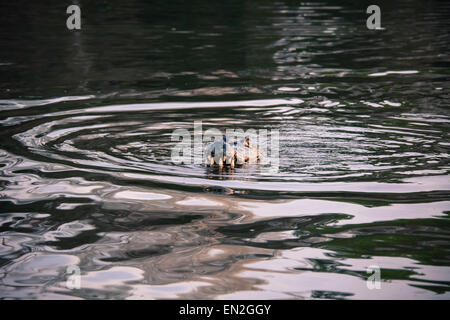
(86, 176)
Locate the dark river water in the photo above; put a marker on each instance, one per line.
(87, 179)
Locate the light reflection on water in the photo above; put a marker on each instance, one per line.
(86, 176)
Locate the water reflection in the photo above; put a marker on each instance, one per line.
(87, 179)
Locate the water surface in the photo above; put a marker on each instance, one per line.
(86, 176)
